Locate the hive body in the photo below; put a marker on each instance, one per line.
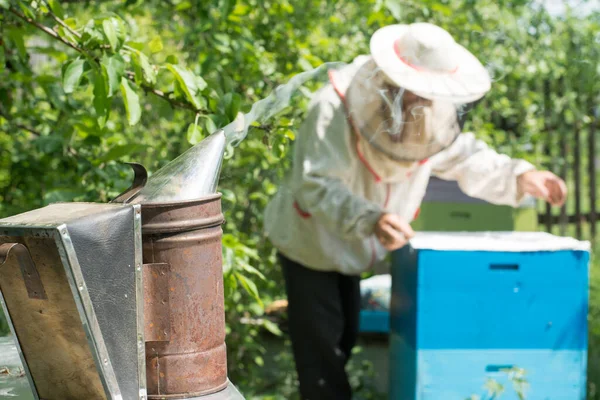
(466, 307)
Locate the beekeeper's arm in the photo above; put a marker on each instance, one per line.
(324, 163)
(480, 171)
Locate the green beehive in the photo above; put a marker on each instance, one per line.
(447, 208)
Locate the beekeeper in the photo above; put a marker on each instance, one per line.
(372, 138)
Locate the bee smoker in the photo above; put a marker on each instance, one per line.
(124, 300)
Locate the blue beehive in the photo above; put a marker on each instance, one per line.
(466, 306)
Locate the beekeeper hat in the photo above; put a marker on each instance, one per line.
(425, 59)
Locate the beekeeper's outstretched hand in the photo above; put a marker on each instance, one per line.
(393, 232)
(544, 185)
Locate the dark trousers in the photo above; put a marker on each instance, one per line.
(323, 317)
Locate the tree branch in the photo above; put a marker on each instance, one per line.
(176, 103)
(47, 30)
(61, 22)
(26, 128)
(130, 75)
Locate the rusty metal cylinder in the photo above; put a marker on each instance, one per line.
(184, 305)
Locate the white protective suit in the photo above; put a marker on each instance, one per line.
(324, 215)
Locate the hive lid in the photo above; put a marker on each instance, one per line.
(496, 241)
(70, 291)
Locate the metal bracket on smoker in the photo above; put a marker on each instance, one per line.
(31, 277)
(140, 176)
(157, 321)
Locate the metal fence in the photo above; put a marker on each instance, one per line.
(572, 148)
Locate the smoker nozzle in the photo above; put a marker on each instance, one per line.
(192, 175)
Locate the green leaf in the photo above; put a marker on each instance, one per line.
(209, 125)
(286, 122)
(56, 8)
(184, 5)
(72, 74)
(230, 240)
(202, 101)
(110, 32)
(259, 361)
(228, 196)
(101, 101)
(71, 23)
(223, 38)
(92, 141)
(119, 151)
(188, 82)
(233, 103)
(113, 68)
(121, 29)
(172, 59)
(144, 72)
(258, 196)
(230, 283)
(132, 102)
(2, 59)
(252, 253)
(27, 10)
(55, 93)
(240, 9)
(66, 34)
(6, 99)
(228, 260)
(272, 327)
(445, 10)
(290, 134)
(156, 44)
(200, 83)
(194, 134)
(250, 287)
(4, 4)
(92, 36)
(255, 309)
(49, 143)
(17, 36)
(250, 269)
(136, 45)
(394, 7)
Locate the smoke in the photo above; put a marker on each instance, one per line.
(496, 70)
(377, 104)
(270, 106)
(395, 107)
(396, 120)
(463, 109)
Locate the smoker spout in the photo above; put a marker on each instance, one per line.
(192, 175)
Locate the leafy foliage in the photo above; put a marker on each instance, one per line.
(85, 86)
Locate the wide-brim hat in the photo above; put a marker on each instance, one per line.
(425, 59)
